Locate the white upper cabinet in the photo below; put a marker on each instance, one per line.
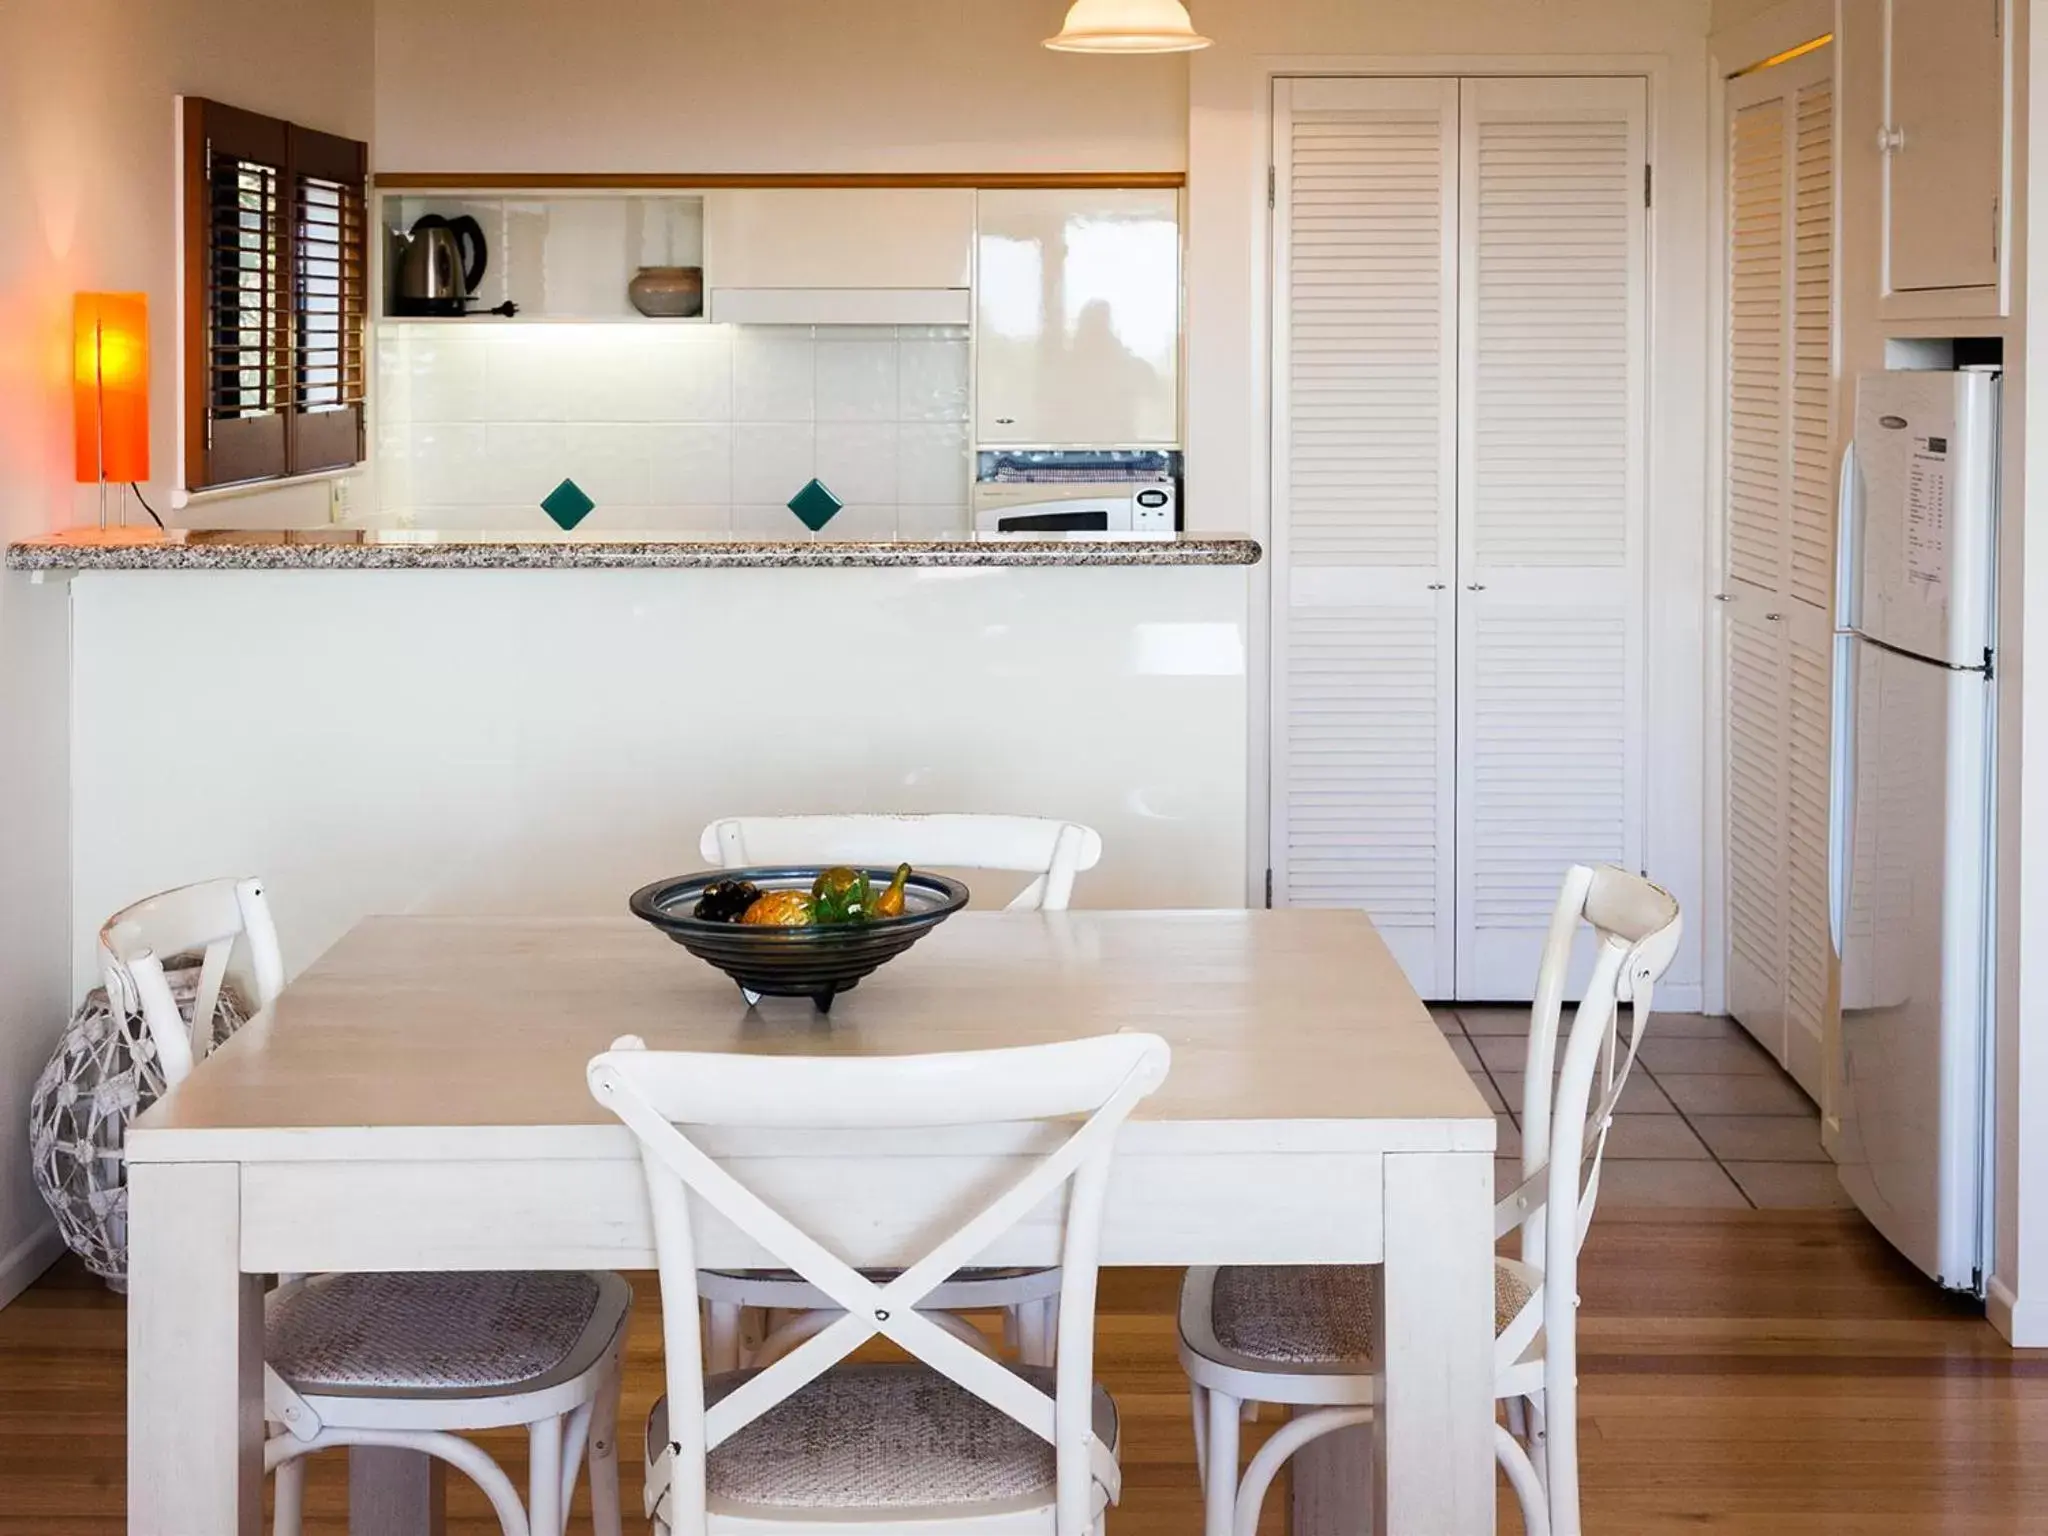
(1077, 318)
(1947, 143)
(840, 255)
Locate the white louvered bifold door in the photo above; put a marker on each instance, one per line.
(1778, 554)
(1365, 467)
(1550, 511)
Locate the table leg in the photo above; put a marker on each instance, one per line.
(195, 1355)
(1332, 1479)
(1435, 1470)
(395, 1493)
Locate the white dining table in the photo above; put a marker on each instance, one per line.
(415, 1100)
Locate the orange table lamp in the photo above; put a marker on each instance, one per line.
(110, 389)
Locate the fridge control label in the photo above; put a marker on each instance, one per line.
(1927, 494)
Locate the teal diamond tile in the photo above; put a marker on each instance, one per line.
(568, 505)
(815, 506)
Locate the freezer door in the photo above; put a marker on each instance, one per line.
(1923, 512)
(1907, 1088)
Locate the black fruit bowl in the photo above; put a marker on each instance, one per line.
(818, 963)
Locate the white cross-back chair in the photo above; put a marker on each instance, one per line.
(405, 1360)
(952, 1443)
(1308, 1337)
(1050, 850)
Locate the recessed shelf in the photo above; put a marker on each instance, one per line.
(560, 256)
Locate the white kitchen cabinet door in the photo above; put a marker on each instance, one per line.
(839, 237)
(1552, 321)
(1365, 475)
(1077, 318)
(1945, 167)
(1777, 556)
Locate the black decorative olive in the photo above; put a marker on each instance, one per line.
(723, 901)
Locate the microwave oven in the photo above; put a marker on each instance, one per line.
(1052, 509)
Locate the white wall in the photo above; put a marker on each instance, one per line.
(86, 178)
(1229, 139)
(764, 85)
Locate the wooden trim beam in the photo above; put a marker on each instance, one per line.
(639, 181)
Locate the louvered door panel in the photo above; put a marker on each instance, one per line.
(1810, 531)
(1756, 342)
(1809, 954)
(1364, 470)
(1778, 556)
(1550, 500)
(1754, 783)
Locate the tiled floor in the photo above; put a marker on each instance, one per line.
(1707, 1120)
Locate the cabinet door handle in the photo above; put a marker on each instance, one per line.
(1436, 586)
(1775, 618)
(1475, 586)
(1724, 597)
(1006, 421)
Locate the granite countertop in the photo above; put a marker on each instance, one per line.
(361, 549)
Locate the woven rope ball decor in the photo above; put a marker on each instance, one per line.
(104, 1073)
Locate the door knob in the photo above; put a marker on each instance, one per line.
(1890, 140)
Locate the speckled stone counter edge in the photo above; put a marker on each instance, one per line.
(226, 554)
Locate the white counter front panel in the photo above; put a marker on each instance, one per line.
(546, 741)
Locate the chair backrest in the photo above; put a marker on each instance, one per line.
(1053, 850)
(208, 917)
(657, 1093)
(1564, 1129)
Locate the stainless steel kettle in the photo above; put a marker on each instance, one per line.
(439, 264)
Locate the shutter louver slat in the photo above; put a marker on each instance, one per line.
(1365, 298)
(1810, 528)
(1554, 200)
(1756, 341)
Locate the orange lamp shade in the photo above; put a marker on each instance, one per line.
(110, 386)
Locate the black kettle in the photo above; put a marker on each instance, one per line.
(439, 265)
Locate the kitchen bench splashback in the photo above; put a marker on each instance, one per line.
(698, 428)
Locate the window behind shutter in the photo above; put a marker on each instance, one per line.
(276, 250)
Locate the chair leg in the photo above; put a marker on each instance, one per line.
(605, 1518)
(1198, 1398)
(289, 1495)
(722, 1337)
(1034, 1333)
(1529, 1491)
(544, 1477)
(1304, 1426)
(1219, 1477)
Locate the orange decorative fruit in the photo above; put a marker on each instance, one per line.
(782, 909)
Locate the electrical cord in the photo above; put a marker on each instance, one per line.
(145, 504)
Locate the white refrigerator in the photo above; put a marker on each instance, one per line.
(1909, 1091)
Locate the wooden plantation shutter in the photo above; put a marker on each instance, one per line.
(329, 287)
(276, 252)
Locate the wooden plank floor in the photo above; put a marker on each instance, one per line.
(1759, 1372)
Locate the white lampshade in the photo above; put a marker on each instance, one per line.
(1127, 26)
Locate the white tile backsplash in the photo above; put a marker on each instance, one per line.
(857, 461)
(856, 380)
(693, 427)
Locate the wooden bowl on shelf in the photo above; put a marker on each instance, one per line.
(819, 961)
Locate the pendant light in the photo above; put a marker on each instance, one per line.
(1127, 26)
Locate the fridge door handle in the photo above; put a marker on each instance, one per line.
(1841, 789)
(1848, 539)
